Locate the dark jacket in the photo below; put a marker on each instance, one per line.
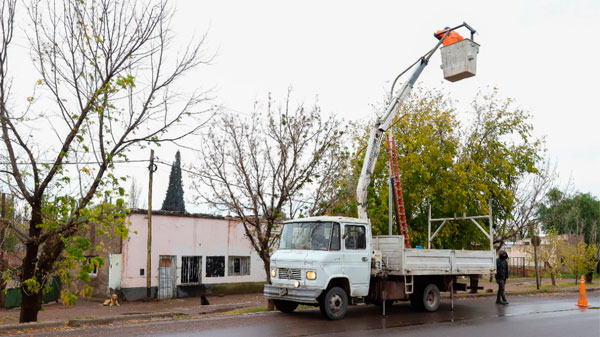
(502, 266)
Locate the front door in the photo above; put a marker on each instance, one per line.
(166, 276)
(114, 272)
(356, 259)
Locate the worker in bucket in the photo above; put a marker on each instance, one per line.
(501, 276)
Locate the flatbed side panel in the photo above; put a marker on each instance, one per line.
(431, 261)
(412, 261)
(470, 260)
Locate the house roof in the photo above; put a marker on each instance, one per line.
(180, 214)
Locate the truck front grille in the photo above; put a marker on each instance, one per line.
(289, 274)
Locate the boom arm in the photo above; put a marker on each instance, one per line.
(383, 123)
(375, 137)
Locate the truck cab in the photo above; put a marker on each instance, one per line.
(321, 261)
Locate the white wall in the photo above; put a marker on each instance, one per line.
(186, 236)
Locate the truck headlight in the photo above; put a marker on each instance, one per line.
(273, 272)
(311, 275)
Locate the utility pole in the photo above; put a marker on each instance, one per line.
(535, 242)
(151, 169)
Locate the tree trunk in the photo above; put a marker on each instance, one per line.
(30, 306)
(31, 303)
(551, 271)
(267, 265)
(588, 277)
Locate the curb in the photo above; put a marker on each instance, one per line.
(29, 326)
(75, 323)
(525, 293)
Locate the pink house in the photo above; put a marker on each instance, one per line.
(192, 255)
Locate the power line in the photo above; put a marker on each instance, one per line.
(80, 163)
(211, 178)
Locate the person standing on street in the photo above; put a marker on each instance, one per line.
(501, 276)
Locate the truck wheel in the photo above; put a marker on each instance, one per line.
(335, 303)
(285, 306)
(431, 298)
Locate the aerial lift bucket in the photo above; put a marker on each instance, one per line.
(459, 60)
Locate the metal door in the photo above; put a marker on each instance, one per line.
(166, 276)
(114, 272)
(355, 259)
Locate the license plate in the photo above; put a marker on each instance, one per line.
(282, 292)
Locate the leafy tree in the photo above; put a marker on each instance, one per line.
(455, 168)
(283, 162)
(577, 214)
(550, 254)
(174, 198)
(103, 86)
(580, 259)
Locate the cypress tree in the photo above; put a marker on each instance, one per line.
(174, 198)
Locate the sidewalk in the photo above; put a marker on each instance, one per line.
(91, 312)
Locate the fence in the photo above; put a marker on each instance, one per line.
(518, 266)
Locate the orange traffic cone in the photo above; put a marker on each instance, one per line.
(582, 303)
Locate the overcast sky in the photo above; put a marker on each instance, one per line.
(544, 54)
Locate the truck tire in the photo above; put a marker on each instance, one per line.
(426, 299)
(431, 298)
(335, 304)
(286, 306)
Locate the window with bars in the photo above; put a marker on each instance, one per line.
(191, 267)
(238, 265)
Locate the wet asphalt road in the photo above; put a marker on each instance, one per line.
(544, 316)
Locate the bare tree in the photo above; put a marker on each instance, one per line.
(105, 85)
(528, 193)
(282, 163)
(135, 191)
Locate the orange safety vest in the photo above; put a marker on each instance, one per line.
(453, 37)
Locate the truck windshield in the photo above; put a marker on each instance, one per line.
(309, 235)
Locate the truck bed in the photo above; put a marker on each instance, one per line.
(399, 260)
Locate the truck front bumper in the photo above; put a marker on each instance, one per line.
(300, 295)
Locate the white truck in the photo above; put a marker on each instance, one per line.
(331, 262)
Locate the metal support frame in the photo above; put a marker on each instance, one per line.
(489, 235)
(452, 294)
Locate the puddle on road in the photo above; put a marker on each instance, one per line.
(386, 325)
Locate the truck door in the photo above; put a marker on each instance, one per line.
(356, 259)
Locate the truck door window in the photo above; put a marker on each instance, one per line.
(335, 237)
(355, 237)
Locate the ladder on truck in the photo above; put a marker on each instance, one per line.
(397, 190)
